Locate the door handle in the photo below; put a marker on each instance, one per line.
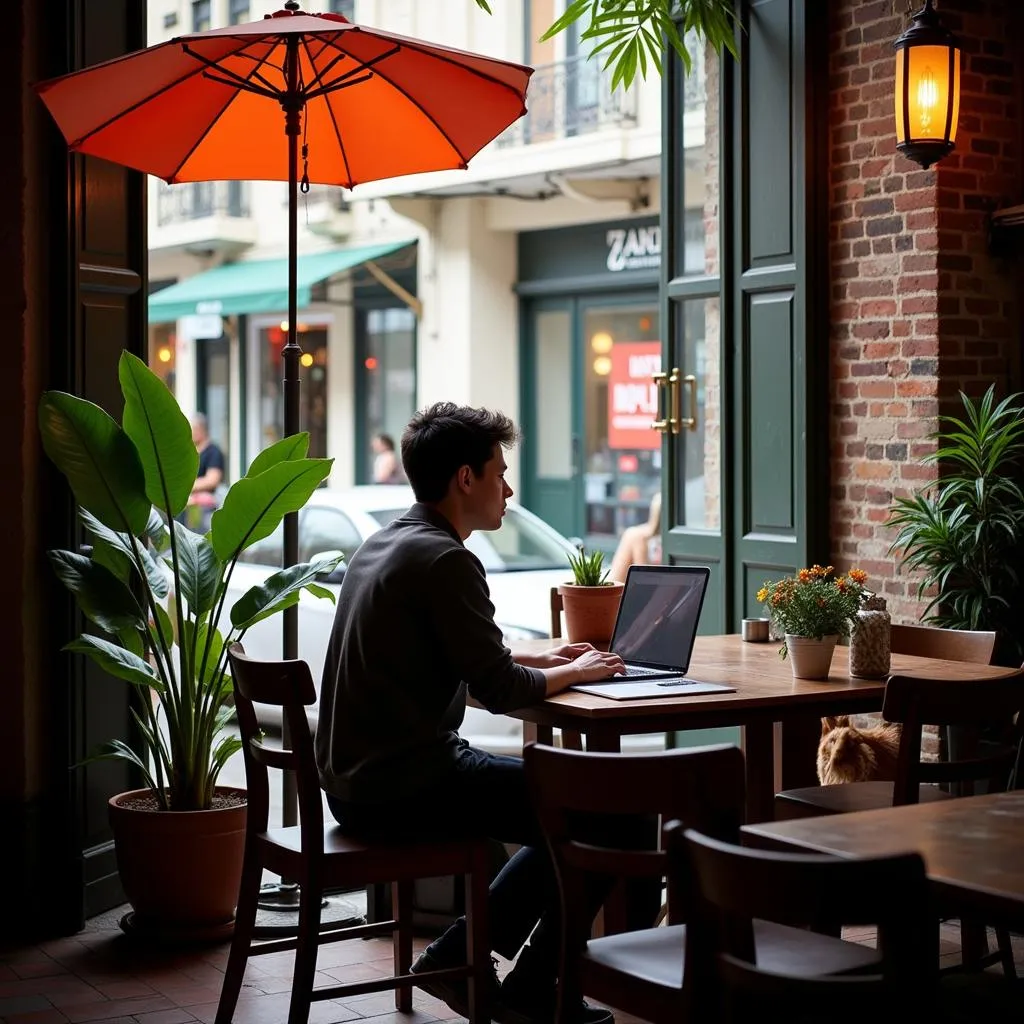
(662, 423)
(680, 421)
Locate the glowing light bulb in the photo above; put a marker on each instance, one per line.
(602, 342)
(927, 99)
(164, 354)
(602, 366)
(306, 359)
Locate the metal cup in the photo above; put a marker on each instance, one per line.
(755, 630)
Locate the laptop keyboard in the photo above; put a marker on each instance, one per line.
(639, 672)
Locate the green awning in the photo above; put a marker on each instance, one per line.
(257, 286)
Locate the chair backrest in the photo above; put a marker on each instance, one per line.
(968, 703)
(974, 645)
(289, 686)
(702, 786)
(556, 612)
(737, 886)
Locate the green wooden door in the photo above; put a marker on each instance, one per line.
(746, 401)
(552, 484)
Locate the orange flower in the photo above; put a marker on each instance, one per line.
(858, 576)
(804, 575)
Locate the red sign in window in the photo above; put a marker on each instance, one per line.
(632, 395)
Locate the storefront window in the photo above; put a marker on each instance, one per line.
(213, 378)
(387, 374)
(699, 251)
(163, 352)
(312, 394)
(622, 454)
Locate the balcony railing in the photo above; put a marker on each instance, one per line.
(574, 97)
(198, 199)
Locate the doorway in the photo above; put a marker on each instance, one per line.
(592, 463)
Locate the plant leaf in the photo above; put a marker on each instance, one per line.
(288, 449)
(255, 505)
(103, 598)
(199, 570)
(98, 459)
(117, 661)
(161, 434)
(249, 608)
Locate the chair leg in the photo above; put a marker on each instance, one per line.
(241, 940)
(572, 739)
(1006, 952)
(401, 939)
(308, 942)
(478, 937)
(973, 943)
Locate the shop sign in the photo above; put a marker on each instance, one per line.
(198, 326)
(633, 395)
(634, 248)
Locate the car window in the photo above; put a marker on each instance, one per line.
(520, 544)
(385, 515)
(326, 529)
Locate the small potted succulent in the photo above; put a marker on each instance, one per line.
(591, 600)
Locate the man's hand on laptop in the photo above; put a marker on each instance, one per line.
(586, 667)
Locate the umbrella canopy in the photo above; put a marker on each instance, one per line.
(208, 106)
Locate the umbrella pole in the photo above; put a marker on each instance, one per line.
(290, 358)
(285, 896)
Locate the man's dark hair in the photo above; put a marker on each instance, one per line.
(387, 440)
(440, 440)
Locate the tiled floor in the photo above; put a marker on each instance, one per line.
(102, 976)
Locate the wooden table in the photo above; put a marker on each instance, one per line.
(780, 716)
(972, 846)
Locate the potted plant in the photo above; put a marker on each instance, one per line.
(155, 593)
(591, 601)
(965, 533)
(813, 609)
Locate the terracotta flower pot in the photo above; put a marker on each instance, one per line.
(810, 658)
(180, 869)
(590, 612)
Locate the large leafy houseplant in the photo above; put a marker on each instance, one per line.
(154, 590)
(965, 533)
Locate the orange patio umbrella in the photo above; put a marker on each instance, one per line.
(252, 102)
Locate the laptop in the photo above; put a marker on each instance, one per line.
(654, 634)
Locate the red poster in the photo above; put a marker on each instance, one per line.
(632, 395)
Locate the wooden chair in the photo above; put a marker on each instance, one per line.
(646, 972)
(913, 703)
(975, 646)
(740, 888)
(318, 858)
(968, 704)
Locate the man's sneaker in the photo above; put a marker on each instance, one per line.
(454, 992)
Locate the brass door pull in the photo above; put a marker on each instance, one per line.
(662, 424)
(690, 422)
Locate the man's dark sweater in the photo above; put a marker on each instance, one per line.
(414, 628)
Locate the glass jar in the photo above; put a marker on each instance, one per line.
(869, 641)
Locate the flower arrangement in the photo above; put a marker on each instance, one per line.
(816, 602)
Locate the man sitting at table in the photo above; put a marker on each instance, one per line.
(413, 631)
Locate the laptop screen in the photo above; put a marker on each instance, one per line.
(658, 615)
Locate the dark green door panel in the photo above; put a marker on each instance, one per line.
(749, 497)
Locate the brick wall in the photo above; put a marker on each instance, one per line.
(919, 308)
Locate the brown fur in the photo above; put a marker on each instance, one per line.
(849, 754)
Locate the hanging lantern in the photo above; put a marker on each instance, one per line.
(927, 88)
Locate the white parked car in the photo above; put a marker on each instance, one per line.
(523, 559)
